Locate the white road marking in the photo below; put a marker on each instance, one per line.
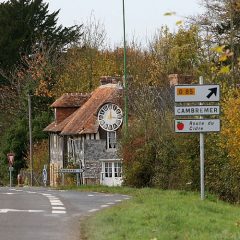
(110, 203)
(18, 210)
(118, 200)
(103, 206)
(46, 194)
(93, 210)
(55, 201)
(58, 208)
(8, 193)
(57, 212)
(57, 204)
(90, 195)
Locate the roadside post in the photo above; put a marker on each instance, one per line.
(44, 175)
(198, 123)
(10, 157)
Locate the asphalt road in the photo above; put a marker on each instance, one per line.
(45, 214)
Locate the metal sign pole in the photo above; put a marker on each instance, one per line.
(202, 154)
(10, 170)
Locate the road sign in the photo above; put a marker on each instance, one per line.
(65, 170)
(197, 110)
(44, 173)
(197, 125)
(11, 169)
(10, 158)
(197, 93)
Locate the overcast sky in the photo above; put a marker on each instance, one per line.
(143, 17)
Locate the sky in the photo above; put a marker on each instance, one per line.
(142, 17)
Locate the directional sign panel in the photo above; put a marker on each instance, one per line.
(197, 125)
(197, 93)
(197, 110)
(66, 170)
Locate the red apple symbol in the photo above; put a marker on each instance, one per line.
(180, 126)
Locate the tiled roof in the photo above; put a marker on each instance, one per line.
(57, 128)
(84, 119)
(71, 100)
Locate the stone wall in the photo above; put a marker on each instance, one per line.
(95, 150)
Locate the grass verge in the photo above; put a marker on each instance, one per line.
(156, 215)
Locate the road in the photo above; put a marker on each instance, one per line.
(45, 214)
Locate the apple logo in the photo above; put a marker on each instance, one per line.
(180, 125)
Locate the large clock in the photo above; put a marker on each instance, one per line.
(110, 117)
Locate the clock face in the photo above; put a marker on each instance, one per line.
(110, 117)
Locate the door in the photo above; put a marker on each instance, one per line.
(112, 173)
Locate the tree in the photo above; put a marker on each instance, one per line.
(27, 23)
(174, 53)
(220, 32)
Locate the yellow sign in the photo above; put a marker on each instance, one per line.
(186, 91)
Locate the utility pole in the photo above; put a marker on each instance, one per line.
(30, 137)
(125, 73)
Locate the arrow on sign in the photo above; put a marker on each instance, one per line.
(212, 91)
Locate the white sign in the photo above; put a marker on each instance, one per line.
(197, 125)
(197, 110)
(197, 93)
(65, 170)
(44, 175)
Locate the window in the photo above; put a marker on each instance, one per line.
(113, 169)
(111, 140)
(108, 169)
(118, 169)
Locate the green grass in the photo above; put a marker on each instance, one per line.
(153, 214)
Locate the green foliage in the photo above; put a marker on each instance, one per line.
(153, 214)
(26, 23)
(139, 157)
(16, 139)
(175, 52)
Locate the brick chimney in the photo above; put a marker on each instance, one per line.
(108, 79)
(175, 79)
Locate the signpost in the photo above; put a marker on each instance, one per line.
(197, 125)
(197, 110)
(10, 157)
(76, 171)
(197, 93)
(66, 170)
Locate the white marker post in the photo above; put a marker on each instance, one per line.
(202, 154)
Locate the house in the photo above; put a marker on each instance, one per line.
(84, 134)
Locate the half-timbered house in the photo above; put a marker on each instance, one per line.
(85, 134)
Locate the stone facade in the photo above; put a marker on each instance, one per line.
(95, 150)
